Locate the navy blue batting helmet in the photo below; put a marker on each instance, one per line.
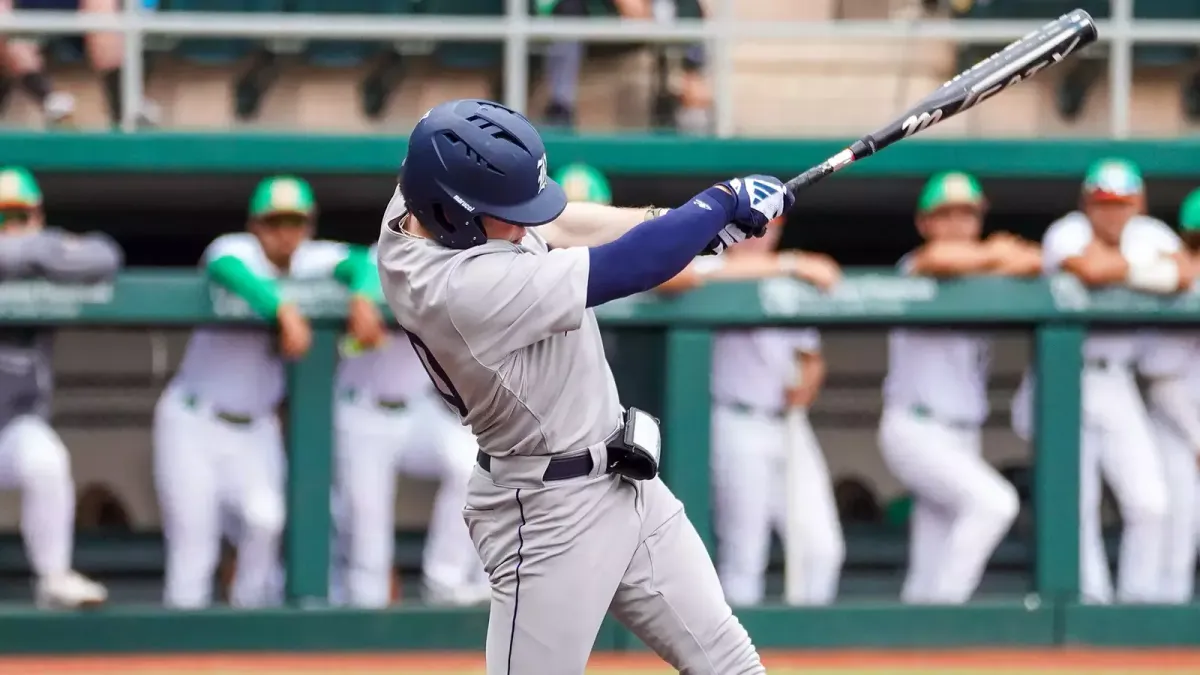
(469, 158)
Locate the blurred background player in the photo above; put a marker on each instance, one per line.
(935, 402)
(26, 65)
(1109, 241)
(218, 447)
(687, 108)
(390, 419)
(32, 456)
(1170, 362)
(758, 375)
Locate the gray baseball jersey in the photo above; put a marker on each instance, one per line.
(505, 329)
(26, 377)
(507, 338)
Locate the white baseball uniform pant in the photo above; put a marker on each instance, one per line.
(207, 469)
(962, 507)
(1180, 472)
(1118, 444)
(34, 460)
(750, 465)
(373, 444)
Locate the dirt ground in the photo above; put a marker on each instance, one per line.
(990, 662)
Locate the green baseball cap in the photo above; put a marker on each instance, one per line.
(1189, 213)
(1113, 179)
(282, 194)
(583, 183)
(19, 189)
(950, 188)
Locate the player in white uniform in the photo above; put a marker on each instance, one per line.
(935, 401)
(1170, 361)
(763, 383)
(1108, 242)
(390, 419)
(218, 446)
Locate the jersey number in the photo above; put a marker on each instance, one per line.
(438, 375)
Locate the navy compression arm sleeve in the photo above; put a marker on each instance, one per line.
(657, 249)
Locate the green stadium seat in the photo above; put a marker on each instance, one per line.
(218, 51)
(347, 53)
(466, 55)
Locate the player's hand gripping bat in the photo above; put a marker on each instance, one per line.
(1018, 61)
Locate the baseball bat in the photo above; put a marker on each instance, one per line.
(1018, 61)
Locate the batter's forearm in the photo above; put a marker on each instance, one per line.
(588, 224)
(656, 250)
(260, 293)
(89, 258)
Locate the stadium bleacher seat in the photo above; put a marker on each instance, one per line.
(217, 51)
(345, 53)
(466, 55)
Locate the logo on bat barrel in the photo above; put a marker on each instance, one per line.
(916, 123)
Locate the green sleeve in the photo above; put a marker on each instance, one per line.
(359, 274)
(261, 294)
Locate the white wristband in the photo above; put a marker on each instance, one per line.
(1160, 275)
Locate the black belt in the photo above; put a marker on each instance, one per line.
(1102, 364)
(747, 409)
(925, 413)
(192, 402)
(561, 467)
(391, 405)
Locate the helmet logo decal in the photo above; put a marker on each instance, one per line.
(542, 178)
(462, 202)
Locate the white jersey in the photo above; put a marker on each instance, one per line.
(505, 333)
(941, 371)
(1171, 353)
(1143, 238)
(239, 370)
(755, 367)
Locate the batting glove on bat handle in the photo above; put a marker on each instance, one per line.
(760, 199)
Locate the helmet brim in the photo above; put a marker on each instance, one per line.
(542, 209)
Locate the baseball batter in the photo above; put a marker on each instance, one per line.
(1109, 242)
(218, 446)
(760, 378)
(33, 458)
(493, 278)
(935, 401)
(390, 419)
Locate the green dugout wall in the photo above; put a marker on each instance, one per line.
(1057, 311)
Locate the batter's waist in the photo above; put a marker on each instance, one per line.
(558, 467)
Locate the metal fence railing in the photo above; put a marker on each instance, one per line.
(517, 29)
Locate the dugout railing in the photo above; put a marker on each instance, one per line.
(676, 351)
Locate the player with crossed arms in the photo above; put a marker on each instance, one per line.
(32, 455)
(935, 403)
(1170, 361)
(1109, 241)
(219, 464)
(493, 277)
(389, 418)
(763, 382)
